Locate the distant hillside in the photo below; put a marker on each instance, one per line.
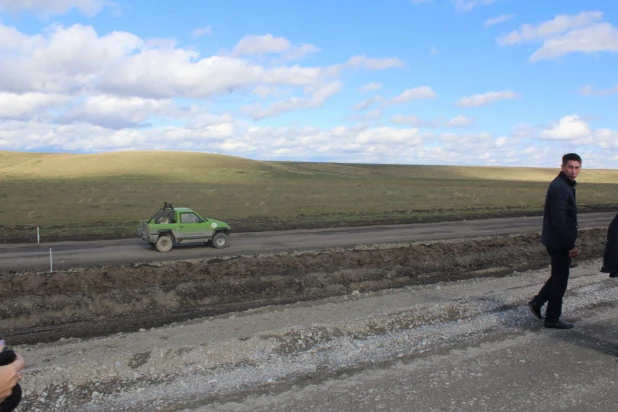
(161, 164)
(189, 166)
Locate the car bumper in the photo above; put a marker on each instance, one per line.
(146, 237)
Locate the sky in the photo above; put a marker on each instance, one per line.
(444, 82)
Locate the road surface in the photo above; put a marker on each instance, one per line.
(78, 254)
(467, 345)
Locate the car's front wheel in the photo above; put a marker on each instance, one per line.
(164, 243)
(219, 241)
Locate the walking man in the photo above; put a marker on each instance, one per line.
(559, 236)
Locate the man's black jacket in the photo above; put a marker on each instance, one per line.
(560, 216)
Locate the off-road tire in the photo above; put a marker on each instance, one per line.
(219, 241)
(164, 243)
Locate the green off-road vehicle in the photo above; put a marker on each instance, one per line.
(182, 225)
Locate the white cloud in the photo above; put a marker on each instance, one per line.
(589, 90)
(268, 44)
(46, 7)
(117, 112)
(360, 143)
(606, 138)
(559, 24)
(160, 43)
(167, 73)
(204, 120)
(367, 102)
(68, 59)
(201, 31)
(370, 87)
(597, 38)
(417, 93)
(86, 137)
(120, 80)
(317, 99)
(29, 105)
(499, 19)
(433, 51)
(568, 128)
(525, 131)
(406, 119)
(64, 60)
(485, 99)
(460, 121)
(265, 91)
(11, 40)
(374, 64)
(259, 45)
(366, 116)
(382, 135)
(478, 148)
(468, 5)
(465, 138)
(583, 32)
(297, 53)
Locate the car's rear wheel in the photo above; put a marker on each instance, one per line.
(219, 241)
(164, 243)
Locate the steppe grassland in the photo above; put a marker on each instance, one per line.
(124, 187)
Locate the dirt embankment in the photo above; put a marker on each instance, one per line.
(36, 307)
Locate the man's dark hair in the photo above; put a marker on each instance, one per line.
(571, 156)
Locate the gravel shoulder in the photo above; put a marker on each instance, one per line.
(466, 344)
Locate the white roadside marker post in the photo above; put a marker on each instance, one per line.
(51, 261)
(38, 236)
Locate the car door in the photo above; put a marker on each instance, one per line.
(192, 227)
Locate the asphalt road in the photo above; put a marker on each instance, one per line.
(78, 254)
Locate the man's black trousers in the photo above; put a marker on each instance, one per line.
(555, 287)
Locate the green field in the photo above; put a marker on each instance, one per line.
(107, 194)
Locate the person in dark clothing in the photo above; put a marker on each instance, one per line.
(559, 237)
(610, 258)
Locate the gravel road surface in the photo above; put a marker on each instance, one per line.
(78, 254)
(467, 345)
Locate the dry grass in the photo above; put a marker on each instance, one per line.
(58, 189)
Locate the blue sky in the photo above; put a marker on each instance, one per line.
(454, 82)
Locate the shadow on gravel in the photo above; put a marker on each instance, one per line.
(599, 337)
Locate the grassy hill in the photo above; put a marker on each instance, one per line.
(110, 192)
(170, 165)
(152, 164)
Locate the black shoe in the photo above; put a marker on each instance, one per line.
(613, 275)
(535, 309)
(559, 324)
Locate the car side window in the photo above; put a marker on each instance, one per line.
(189, 218)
